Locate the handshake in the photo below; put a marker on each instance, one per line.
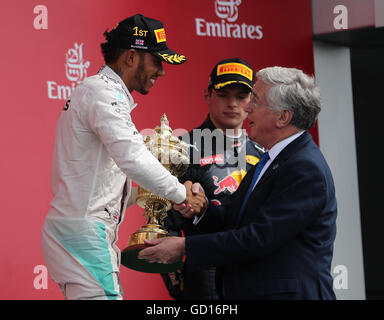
(195, 203)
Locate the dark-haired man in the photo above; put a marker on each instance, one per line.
(221, 155)
(98, 151)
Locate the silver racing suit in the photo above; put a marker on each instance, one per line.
(97, 152)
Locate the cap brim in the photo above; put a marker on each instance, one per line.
(170, 56)
(221, 85)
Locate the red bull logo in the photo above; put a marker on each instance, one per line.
(230, 183)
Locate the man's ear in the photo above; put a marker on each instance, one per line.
(284, 118)
(206, 95)
(130, 57)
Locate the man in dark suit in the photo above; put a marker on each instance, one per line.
(275, 238)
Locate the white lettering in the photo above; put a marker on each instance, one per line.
(41, 20)
(199, 24)
(340, 281)
(259, 32)
(76, 67)
(60, 92)
(41, 280)
(227, 30)
(227, 9)
(51, 87)
(243, 29)
(236, 32)
(250, 30)
(163, 310)
(223, 28)
(63, 92)
(212, 26)
(75, 70)
(341, 20)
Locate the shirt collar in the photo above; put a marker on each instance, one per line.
(278, 147)
(109, 73)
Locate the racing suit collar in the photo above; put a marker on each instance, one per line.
(108, 72)
(209, 125)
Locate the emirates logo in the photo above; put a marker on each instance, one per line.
(228, 12)
(75, 71)
(227, 9)
(75, 67)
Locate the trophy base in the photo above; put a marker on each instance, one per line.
(136, 243)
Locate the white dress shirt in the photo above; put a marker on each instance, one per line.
(275, 150)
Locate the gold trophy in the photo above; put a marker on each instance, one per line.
(173, 155)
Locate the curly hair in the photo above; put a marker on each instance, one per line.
(110, 53)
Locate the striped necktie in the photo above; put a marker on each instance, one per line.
(263, 160)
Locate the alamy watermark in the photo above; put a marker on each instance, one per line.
(340, 22)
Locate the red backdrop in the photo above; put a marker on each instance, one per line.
(47, 46)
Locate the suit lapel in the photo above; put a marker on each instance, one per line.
(281, 158)
(284, 155)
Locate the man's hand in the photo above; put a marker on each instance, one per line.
(195, 203)
(163, 250)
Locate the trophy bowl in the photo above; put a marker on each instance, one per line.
(173, 155)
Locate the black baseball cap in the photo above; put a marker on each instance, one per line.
(143, 33)
(230, 71)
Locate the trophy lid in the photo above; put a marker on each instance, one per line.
(164, 120)
(164, 128)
